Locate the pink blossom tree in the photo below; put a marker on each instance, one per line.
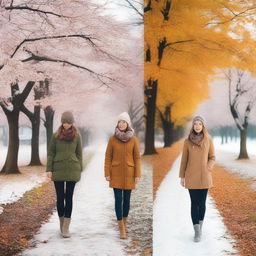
(70, 42)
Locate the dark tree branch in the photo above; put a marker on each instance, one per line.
(99, 76)
(27, 112)
(179, 42)
(88, 38)
(27, 90)
(134, 8)
(148, 6)
(236, 15)
(27, 8)
(165, 11)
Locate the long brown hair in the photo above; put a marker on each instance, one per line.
(61, 128)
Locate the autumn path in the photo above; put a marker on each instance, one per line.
(173, 230)
(234, 195)
(141, 214)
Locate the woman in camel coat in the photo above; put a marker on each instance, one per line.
(196, 171)
(122, 168)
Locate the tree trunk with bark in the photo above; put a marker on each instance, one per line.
(17, 100)
(150, 95)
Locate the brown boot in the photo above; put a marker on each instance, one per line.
(121, 229)
(65, 227)
(61, 223)
(125, 224)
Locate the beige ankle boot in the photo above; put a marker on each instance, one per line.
(65, 227)
(121, 229)
(61, 223)
(125, 219)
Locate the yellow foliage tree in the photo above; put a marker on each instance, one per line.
(186, 41)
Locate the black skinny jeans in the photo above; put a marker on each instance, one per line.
(64, 198)
(122, 202)
(198, 199)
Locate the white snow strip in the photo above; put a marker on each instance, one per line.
(226, 155)
(12, 187)
(93, 229)
(173, 229)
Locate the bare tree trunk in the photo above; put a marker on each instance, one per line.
(18, 99)
(35, 159)
(11, 162)
(49, 116)
(168, 134)
(150, 94)
(243, 150)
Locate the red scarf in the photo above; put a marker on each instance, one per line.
(67, 135)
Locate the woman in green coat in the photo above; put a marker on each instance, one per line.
(64, 167)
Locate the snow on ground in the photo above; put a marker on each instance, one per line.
(226, 156)
(12, 187)
(173, 229)
(93, 226)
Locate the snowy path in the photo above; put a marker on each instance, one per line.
(173, 229)
(93, 228)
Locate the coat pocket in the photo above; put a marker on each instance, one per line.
(115, 169)
(115, 163)
(130, 169)
(130, 163)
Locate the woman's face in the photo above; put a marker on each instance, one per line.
(66, 126)
(198, 126)
(122, 125)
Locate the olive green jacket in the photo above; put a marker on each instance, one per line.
(65, 159)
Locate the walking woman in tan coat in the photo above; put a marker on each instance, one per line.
(122, 168)
(196, 171)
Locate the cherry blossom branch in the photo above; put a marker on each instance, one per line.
(88, 38)
(99, 76)
(11, 7)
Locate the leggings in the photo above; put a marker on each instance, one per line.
(198, 198)
(64, 198)
(122, 202)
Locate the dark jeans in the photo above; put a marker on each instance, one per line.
(198, 198)
(64, 197)
(122, 202)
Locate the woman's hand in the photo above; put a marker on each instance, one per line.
(209, 168)
(49, 175)
(182, 182)
(107, 178)
(137, 180)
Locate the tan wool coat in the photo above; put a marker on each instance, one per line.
(122, 163)
(197, 163)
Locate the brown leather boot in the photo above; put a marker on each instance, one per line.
(61, 223)
(65, 228)
(121, 229)
(125, 219)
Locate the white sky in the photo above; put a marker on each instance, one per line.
(119, 9)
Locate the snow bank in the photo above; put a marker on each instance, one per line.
(226, 156)
(12, 187)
